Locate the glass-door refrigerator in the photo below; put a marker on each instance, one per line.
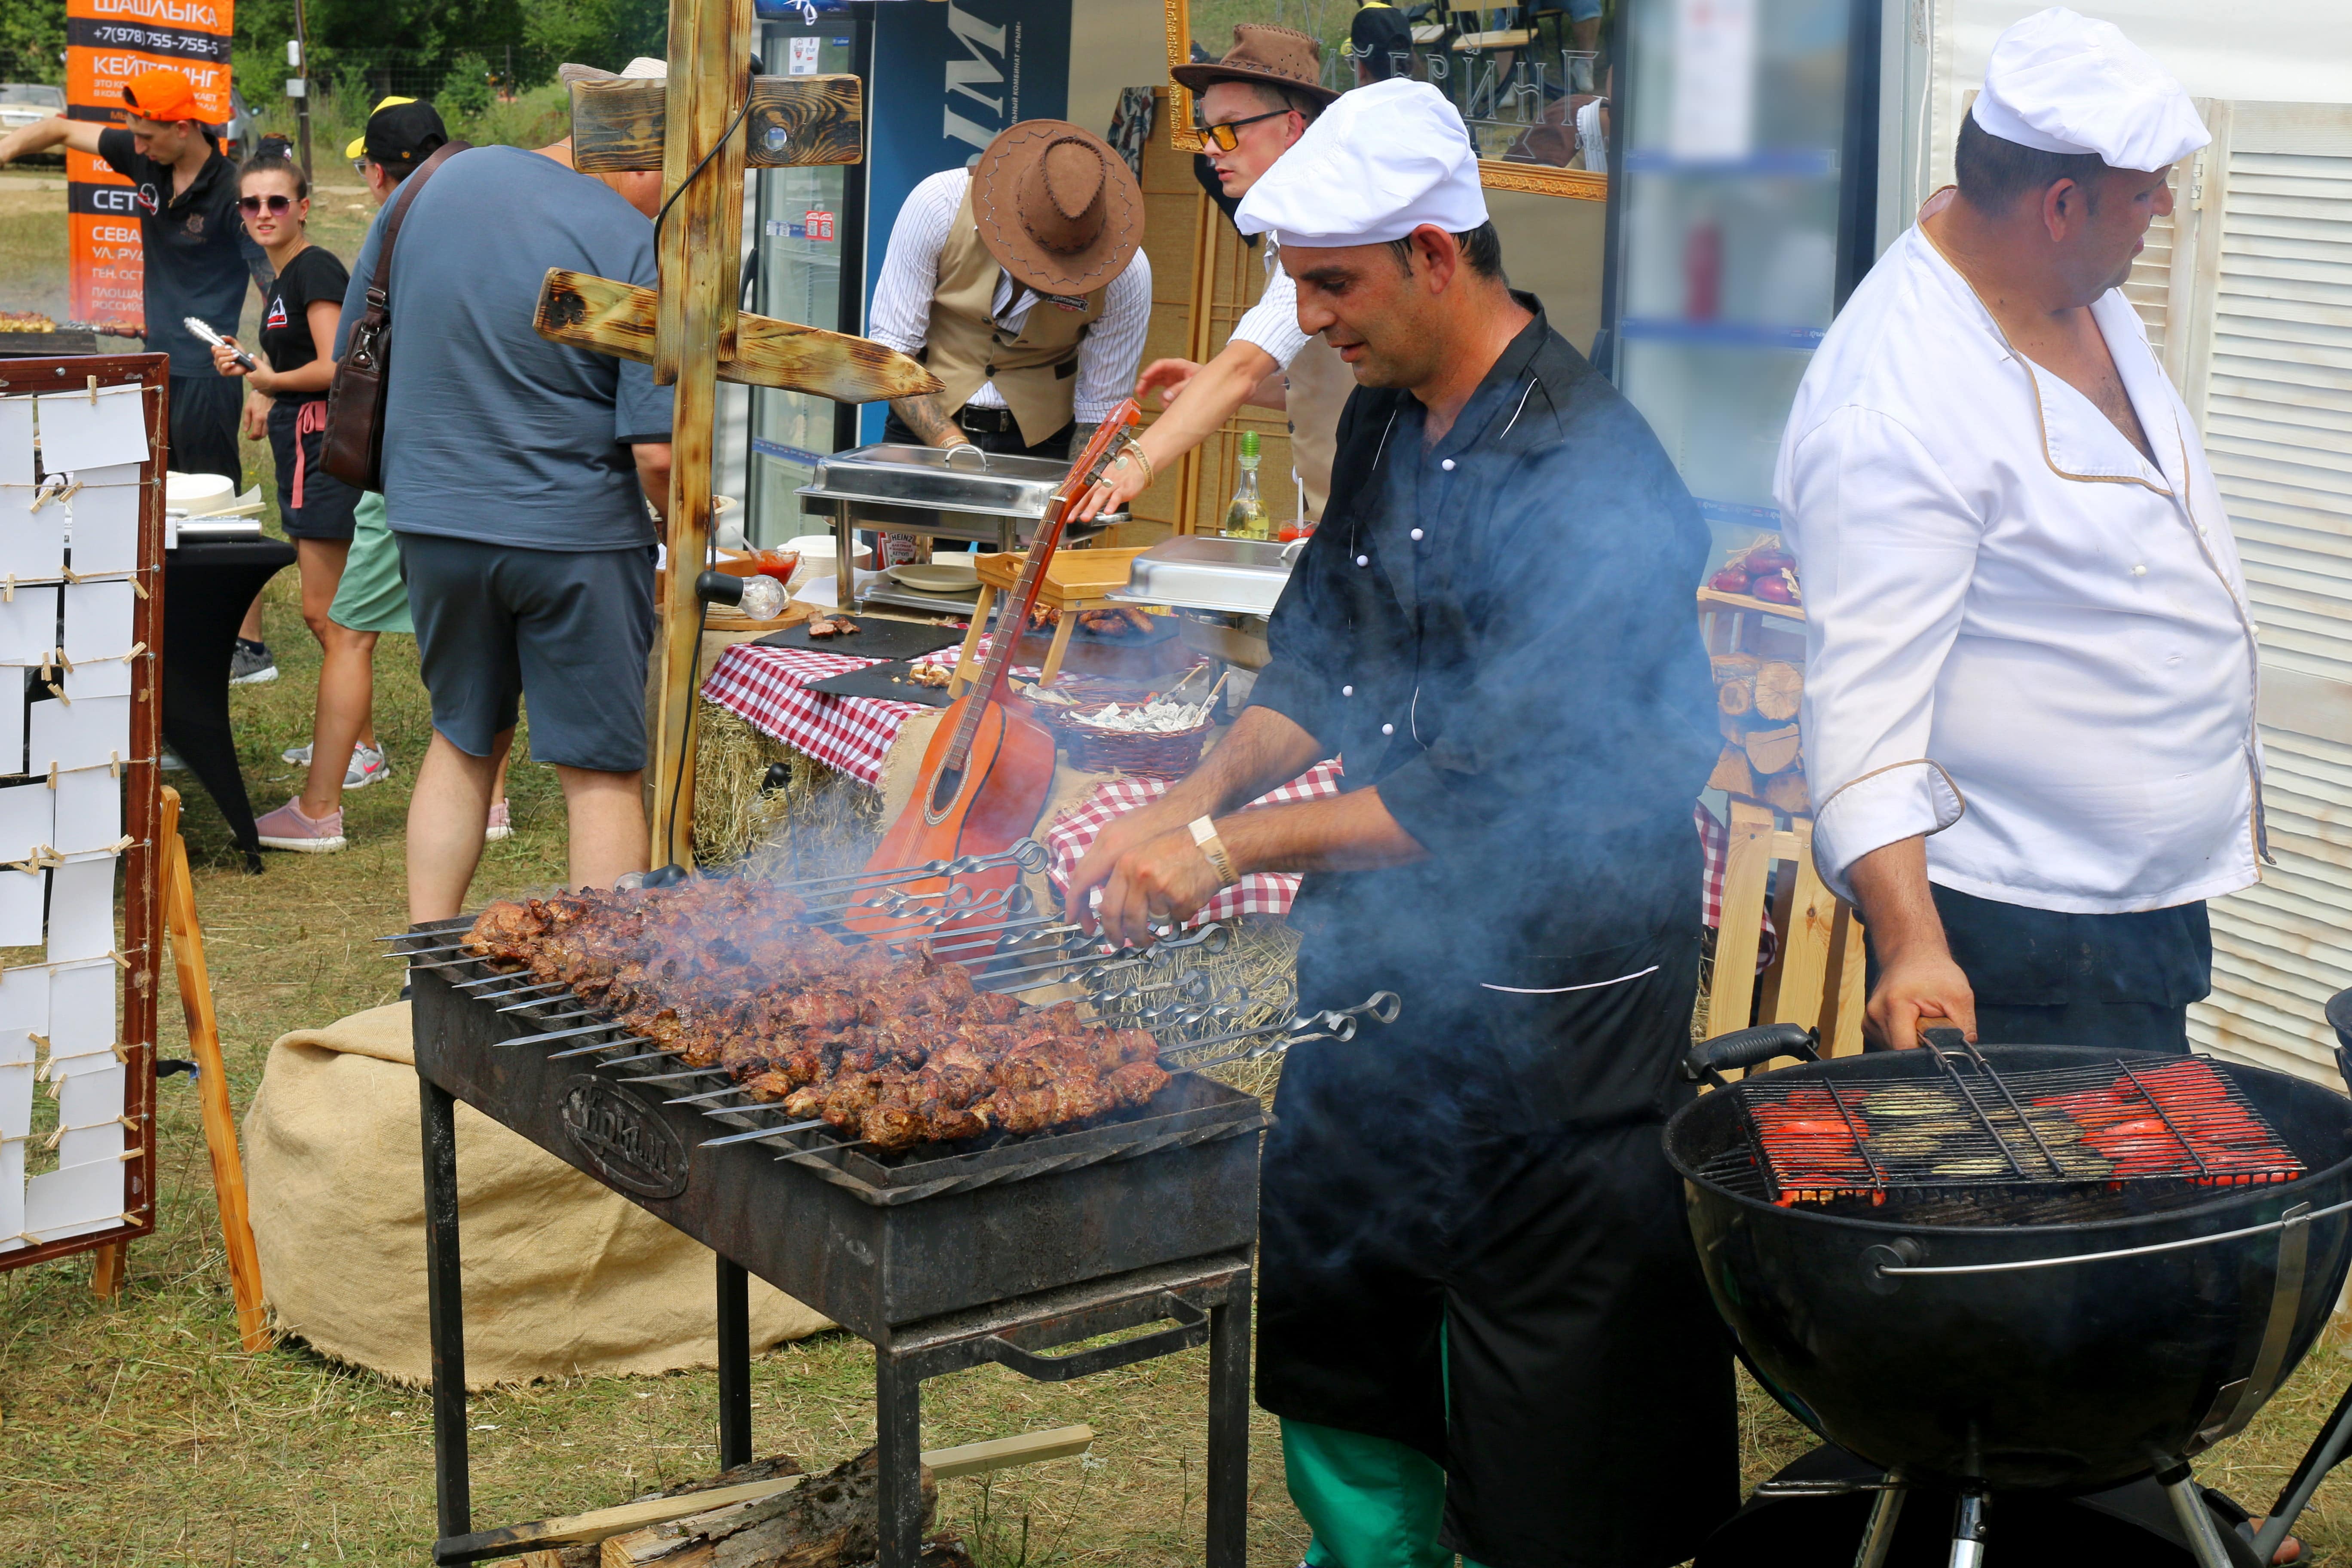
(1742, 212)
(807, 265)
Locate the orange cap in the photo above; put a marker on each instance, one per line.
(162, 94)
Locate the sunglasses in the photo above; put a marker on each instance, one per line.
(252, 204)
(1227, 136)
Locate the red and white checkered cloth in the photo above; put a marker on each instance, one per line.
(764, 687)
(1715, 847)
(1259, 893)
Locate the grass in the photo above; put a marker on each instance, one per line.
(137, 1431)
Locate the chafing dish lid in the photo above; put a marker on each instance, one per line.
(992, 484)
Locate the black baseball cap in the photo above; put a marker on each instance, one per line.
(400, 134)
(1378, 36)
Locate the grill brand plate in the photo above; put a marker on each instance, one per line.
(625, 1141)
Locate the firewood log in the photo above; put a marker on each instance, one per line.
(826, 1521)
(1732, 774)
(1785, 792)
(1737, 698)
(1772, 751)
(1779, 690)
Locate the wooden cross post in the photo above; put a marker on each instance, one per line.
(692, 329)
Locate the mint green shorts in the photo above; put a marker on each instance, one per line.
(372, 596)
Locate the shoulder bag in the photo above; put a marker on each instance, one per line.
(355, 438)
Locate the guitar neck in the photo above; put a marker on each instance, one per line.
(1015, 618)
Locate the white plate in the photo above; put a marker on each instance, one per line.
(935, 577)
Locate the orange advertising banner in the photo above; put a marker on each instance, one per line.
(108, 42)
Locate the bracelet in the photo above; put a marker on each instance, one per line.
(1204, 833)
(1135, 449)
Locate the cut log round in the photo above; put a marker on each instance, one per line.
(1780, 692)
(1772, 751)
(1735, 698)
(1732, 774)
(1785, 792)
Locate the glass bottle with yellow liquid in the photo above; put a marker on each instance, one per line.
(1246, 514)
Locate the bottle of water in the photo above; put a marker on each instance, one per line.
(1246, 514)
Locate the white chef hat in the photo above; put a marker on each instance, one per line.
(1376, 165)
(2059, 82)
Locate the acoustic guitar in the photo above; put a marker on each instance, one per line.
(990, 766)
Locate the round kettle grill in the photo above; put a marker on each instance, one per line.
(2007, 1292)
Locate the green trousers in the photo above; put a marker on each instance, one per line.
(1370, 1502)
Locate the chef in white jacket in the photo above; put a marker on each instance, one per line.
(2029, 707)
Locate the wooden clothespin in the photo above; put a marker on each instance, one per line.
(114, 765)
(53, 775)
(93, 392)
(116, 956)
(137, 586)
(59, 693)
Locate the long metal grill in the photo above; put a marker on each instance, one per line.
(1970, 1139)
(994, 933)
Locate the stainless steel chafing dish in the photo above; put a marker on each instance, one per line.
(1238, 576)
(986, 498)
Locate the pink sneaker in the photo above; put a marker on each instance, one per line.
(501, 825)
(287, 829)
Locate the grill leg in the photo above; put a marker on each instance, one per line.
(898, 1442)
(1229, 1405)
(445, 1310)
(2197, 1523)
(734, 1365)
(1878, 1537)
(1969, 1532)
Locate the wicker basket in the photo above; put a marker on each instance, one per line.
(1097, 751)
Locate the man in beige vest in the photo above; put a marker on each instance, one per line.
(1254, 104)
(1020, 282)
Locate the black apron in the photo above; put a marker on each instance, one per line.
(1498, 633)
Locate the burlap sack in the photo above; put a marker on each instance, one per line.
(561, 1276)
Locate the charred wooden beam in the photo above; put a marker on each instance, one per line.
(612, 318)
(792, 121)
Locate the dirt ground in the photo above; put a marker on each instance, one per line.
(136, 1430)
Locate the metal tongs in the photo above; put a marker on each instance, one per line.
(197, 325)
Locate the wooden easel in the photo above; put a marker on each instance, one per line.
(179, 896)
(1817, 978)
(696, 129)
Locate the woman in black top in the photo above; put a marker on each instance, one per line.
(289, 399)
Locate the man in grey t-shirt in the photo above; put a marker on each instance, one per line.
(516, 475)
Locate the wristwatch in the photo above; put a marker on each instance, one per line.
(1204, 833)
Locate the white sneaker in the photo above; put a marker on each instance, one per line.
(368, 766)
(500, 825)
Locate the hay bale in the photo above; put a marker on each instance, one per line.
(814, 822)
(1260, 960)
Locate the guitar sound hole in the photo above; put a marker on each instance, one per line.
(944, 788)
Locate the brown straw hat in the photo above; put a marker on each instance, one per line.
(1278, 57)
(1057, 207)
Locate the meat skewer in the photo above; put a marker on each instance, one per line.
(891, 1049)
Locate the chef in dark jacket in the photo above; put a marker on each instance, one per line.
(1482, 1322)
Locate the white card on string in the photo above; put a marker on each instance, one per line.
(89, 811)
(24, 997)
(106, 520)
(74, 1198)
(20, 908)
(91, 733)
(15, 1091)
(98, 620)
(16, 441)
(27, 820)
(12, 720)
(32, 544)
(87, 1145)
(12, 1196)
(81, 1010)
(98, 678)
(81, 914)
(91, 430)
(28, 626)
(86, 1098)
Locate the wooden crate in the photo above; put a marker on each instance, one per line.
(1817, 978)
